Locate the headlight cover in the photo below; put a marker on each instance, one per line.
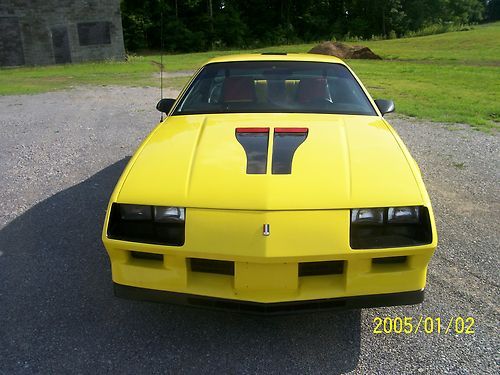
(135, 212)
(376, 228)
(372, 216)
(403, 215)
(169, 214)
(147, 224)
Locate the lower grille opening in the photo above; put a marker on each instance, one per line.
(335, 267)
(220, 267)
(390, 260)
(148, 256)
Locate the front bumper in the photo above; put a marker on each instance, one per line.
(267, 269)
(277, 308)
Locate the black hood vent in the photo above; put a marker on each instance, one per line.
(286, 142)
(255, 143)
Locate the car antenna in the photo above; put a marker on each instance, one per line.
(161, 56)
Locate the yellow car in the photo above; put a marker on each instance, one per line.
(273, 185)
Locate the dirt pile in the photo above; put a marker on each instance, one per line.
(344, 51)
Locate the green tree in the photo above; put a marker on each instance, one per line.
(196, 25)
(493, 10)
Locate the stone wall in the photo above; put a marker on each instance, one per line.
(40, 32)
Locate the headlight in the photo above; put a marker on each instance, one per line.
(135, 212)
(374, 228)
(403, 215)
(169, 214)
(147, 224)
(368, 216)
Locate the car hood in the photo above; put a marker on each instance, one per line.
(346, 161)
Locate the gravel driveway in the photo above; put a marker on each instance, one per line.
(61, 154)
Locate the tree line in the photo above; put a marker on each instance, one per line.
(199, 25)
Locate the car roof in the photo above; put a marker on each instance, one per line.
(277, 56)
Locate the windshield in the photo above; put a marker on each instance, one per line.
(275, 86)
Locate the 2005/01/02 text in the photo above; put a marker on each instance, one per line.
(428, 325)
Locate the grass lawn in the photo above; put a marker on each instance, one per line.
(452, 77)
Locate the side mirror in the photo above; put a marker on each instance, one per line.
(385, 106)
(165, 105)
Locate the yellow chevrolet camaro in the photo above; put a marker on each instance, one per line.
(273, 185)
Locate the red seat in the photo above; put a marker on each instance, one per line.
(238, 89)
(311, 89)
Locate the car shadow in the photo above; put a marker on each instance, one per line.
(58, 313)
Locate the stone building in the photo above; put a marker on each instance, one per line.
(40, 32)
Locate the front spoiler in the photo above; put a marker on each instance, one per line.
(275, 308)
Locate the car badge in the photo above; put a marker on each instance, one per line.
(266, 230)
